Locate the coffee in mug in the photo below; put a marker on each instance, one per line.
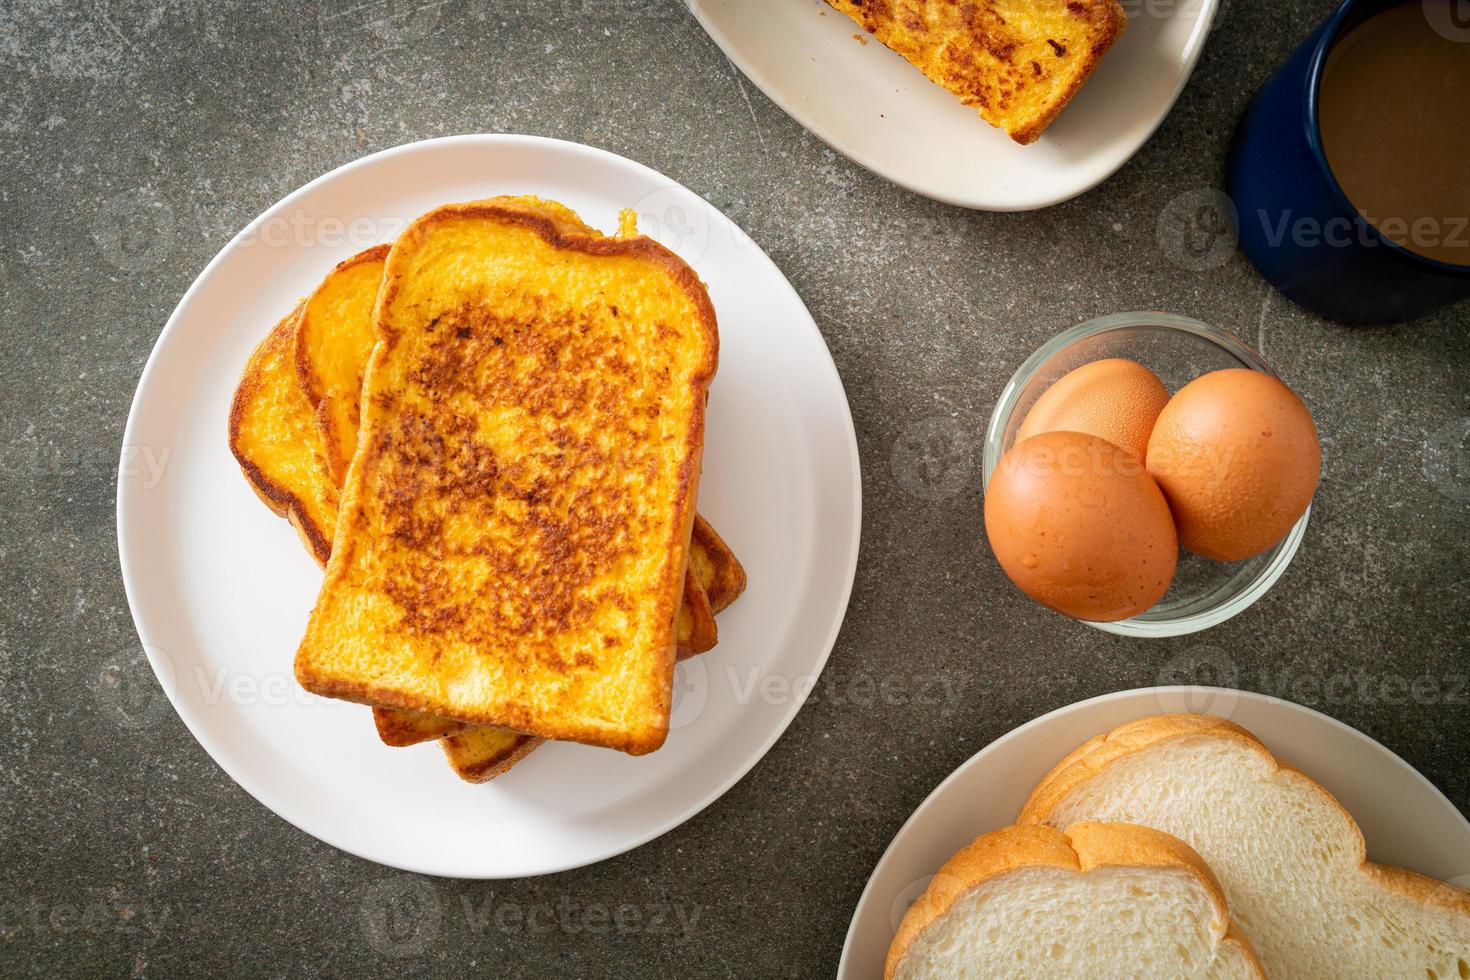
(1394, 117)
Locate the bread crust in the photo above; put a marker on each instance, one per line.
(1083, 847)
(727, 578)
(475, 768)
(308, 371)
(401, 729)
(1093, 756)
(634, 739)
(702, 633)
(1088, 759)
(280, 499)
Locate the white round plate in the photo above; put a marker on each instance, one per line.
(220, 589)
(873, 106)
(1405, 820)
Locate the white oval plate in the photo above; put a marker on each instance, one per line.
(873, 106)
(1405, 820)
(220, 589)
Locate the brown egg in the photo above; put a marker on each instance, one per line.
(1113, 399)
(1236, 454)
(1079, 526)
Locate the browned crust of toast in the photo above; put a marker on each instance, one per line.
(305, 371)
(513, 716)
(306, 374)
(1097, 753)
(1082, 847)
(729, 575)
(705, 633)
(404, 728)
(281, 501)
(394, 729)
(487, 769)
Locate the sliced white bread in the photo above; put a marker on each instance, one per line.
(1101, 900)
(1290, 858)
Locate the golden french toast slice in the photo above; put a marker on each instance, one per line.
(514, 528)
(333, 340)
(1019, 62)
(277, 441)
(716, 580)
(273, 438)
(334, 335)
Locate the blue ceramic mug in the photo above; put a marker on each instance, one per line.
(1296, 223)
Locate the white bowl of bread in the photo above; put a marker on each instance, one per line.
(1172, 844)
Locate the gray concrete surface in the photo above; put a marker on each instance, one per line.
(137, 137)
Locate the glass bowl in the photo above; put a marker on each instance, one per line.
(1178, 349)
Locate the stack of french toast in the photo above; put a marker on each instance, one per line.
(490, 433)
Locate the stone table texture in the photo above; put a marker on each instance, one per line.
(139, 136)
